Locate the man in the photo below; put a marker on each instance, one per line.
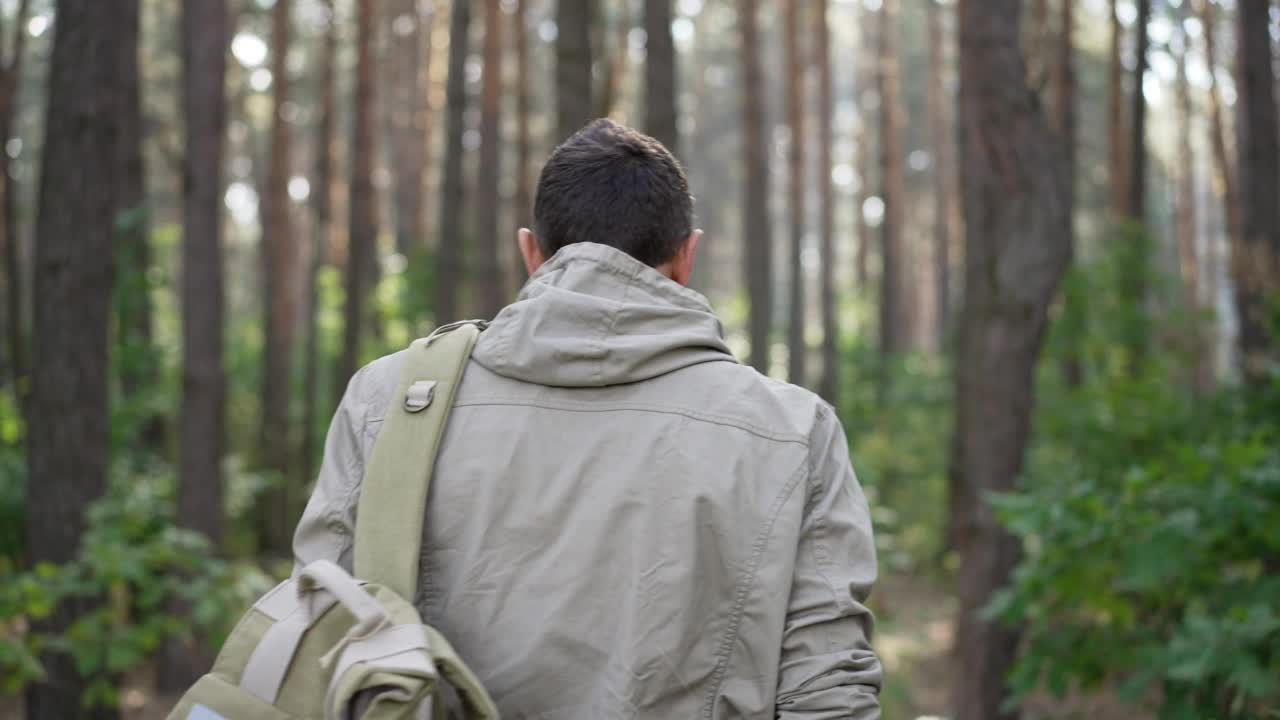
(625, 522)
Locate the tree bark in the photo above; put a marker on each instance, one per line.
(1255, 257)
(796, 204)
(410, 119)
(573, 67)
(829, 388)
(1116, 152)
(449, 260)
(15, 298)
(1018, 248)
(281, 293)
(493, 294)
(362, 224)
(322, 203)
(894, 323)
(133, 301)
(944, 199)
(755, 206)
(68, 435)
(661, 119)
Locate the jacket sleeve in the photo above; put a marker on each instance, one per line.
(327, 528)
(828, 668)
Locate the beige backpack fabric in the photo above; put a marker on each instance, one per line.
(327, 646)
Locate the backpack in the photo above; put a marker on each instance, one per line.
(327, 646)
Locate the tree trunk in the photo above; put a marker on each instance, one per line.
(1065, 114)
(68, 437)
(755, 206)
(281, 293)
(1116, 153)
(613, 58)
(1015, 204)
(133, 301)
(830, 386)
(661, 119)
(1256, 254)
(15, 338)
(573, 67)
(362, 224)
(1136, 172)
(1225, 166)
(524, 166)
(322, 202)
(449, 266)
(1187, 215)
(865, 73)
(410, 117)
(894, 323)
(795, 248)
(943, 174)
(493, 294)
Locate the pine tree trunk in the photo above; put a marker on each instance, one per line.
(1187, 215)
(755, 205)
(409, 119)
(1136, 171)
(1065, 114)
(1223, 162)
(450, 242)
(943, 175)
(573, 67)
(661, 120)
(866, 74)
(362, 231)
(1018, 249)
(493, 293)
(68, 436)
(133, 301)
(322, 202)
(14, 297)
(1117, 154)
(830, 386)
(613, 58)
(894, 323)
(524, 166)
(282, 294)
(796, 205)
(1255, 256)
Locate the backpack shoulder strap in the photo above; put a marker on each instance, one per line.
(397, 480)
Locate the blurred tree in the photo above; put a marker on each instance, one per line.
(611, 72)
(449, 243)
(133, 246)
(661, 118)
(865, 75)
(756, 225)
(410, 117)
(1018, 248)
(280, 289)
(1116, 153)
(74, 269)
(894, 324)
(573, 66)
(362, 234)
(1256, 252)
(1136, 168)
(830, 387)
(1185, 203)
(523, 200)
(493, 294)
(945, 197)
(322, 204)
(796, 205)
(10, 74)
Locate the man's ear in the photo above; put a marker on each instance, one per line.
(530, 250)
(682, 263)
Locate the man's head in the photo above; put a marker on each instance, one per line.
(611, 185)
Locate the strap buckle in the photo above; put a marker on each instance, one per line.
(445, 329)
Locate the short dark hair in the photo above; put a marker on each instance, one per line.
(615, 186)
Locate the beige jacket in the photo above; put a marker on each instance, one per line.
(625, 522)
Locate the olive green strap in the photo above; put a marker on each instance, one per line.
(397, 479)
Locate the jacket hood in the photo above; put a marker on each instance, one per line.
(593, 316)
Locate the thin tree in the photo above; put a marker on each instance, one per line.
(10, 75)
(1187, 212)
(281, 291)
(492, 291)
(796, 205)
(864, 161)
(944, 195)
(409, 120)
(894, 324)
(1255, 256)
(573, 66)
(322, 204)
(613, 58)
(524, 167)
(1136, 169)
(68, 436)
(1018, 248)
(755, 204)
(133, 301)
(830, 385)
(1223, 162)
(449, 243)
(661, 119)
(1116, 152)
(362, 223)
